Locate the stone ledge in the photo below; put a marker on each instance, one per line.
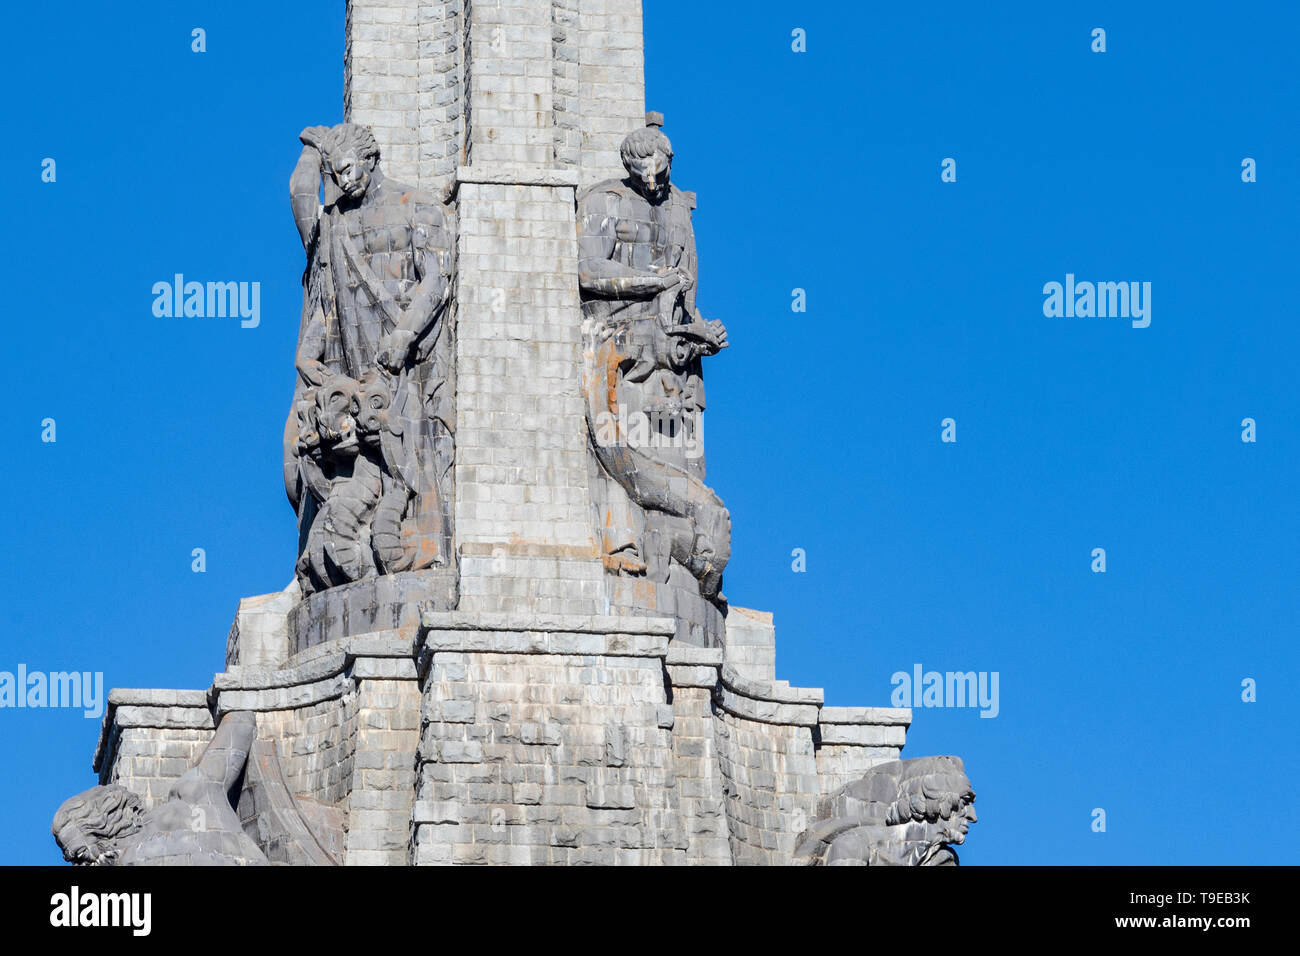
(385, 643)
(163, 709)
(777, 691)
(876, 716)
(157, 697)
(284, 698)
(265, 678)
(864, 735)
(559, 642)
(739, 704)
(511, 175)
(187, 718)
(692, 675)
(501, 621)
(691, 656)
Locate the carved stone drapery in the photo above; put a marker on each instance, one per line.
(369, 444)
(644, 339)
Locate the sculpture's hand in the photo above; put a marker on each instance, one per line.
(717, 335)
(394, 348)
(312, 371)
(684, 278)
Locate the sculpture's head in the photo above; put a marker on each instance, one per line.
(336, 411)
(350, 155)
(648, 157)
(937, 792)
(374, 398)
(88, 826)
(304, 411)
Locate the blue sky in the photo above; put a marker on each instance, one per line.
(816, 170)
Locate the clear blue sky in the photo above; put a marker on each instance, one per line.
(820, 171)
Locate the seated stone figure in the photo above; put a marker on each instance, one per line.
(197, 826)
(901, 813)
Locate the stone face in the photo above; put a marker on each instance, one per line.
(901, 813)
(506, 640)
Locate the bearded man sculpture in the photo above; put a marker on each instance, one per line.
(374, 330)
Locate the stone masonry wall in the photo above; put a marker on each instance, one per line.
(522, 521)
(546, 748)
(611, 83)
(771, 777)
(855, 739)
(315, 745)
(383, 782)
(697, 763)
(381, 79)
(149, 738)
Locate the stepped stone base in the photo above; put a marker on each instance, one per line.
(502, 737)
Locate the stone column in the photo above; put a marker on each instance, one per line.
(508, 106)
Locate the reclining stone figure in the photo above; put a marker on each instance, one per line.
(197, 826)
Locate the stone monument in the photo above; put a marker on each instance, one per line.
(506, 639)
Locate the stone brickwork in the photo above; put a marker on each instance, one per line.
(546, 746)
(751, 643)
(551, 83)
(611, 83)
(381, 79)
(512, 738)
(150, 737)
(523, 524)
(767, 757)
(693, 675)
(383, 783)
(852, 740)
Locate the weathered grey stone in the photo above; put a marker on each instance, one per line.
(107, 825)
(644, 340)
(368, 444)
(507, 641)
(901, 813)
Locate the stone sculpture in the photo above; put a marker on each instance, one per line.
(901, 813)
(644, 340)
(558, 680)
(196, 826)
(369, 442)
